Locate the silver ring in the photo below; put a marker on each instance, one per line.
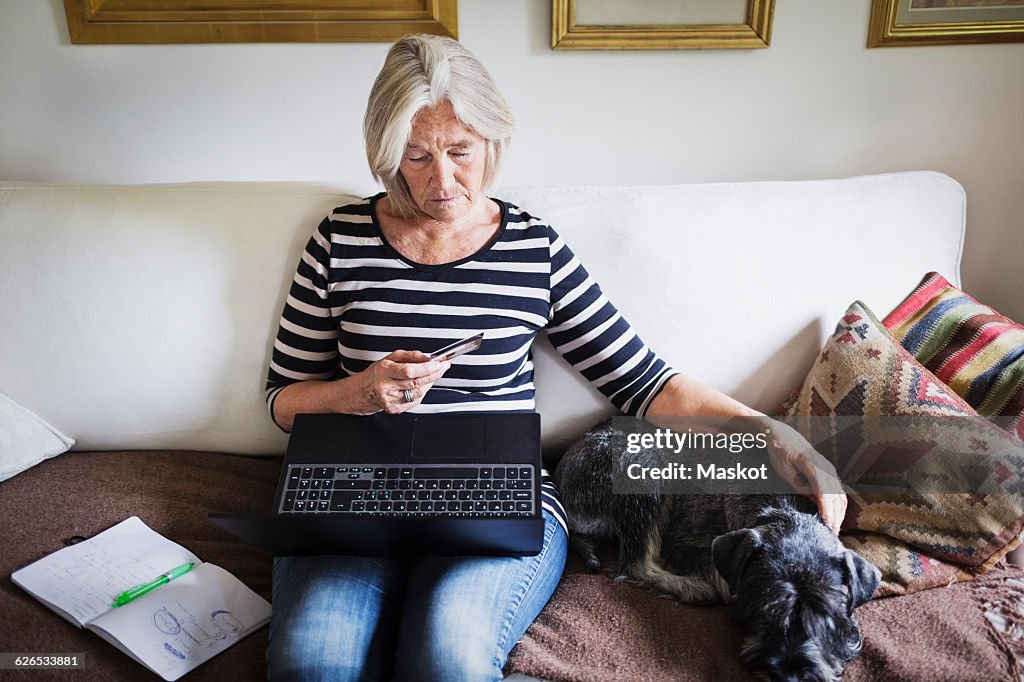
(408, 395)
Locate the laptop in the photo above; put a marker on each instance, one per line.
(462, 483)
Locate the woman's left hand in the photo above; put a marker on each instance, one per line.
(791, 456)
(808, 473)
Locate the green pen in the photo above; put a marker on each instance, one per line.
(145, 588)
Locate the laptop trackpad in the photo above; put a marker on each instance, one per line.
(449, 437)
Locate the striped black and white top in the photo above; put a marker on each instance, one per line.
(355, 299)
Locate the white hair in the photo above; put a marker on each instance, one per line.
(425, 70)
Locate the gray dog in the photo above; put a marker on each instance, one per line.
(790, 584)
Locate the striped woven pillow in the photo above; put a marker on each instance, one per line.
(970, 347)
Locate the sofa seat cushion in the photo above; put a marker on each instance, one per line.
(596, 630)
(83, 493)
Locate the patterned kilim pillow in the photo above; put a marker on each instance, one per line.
(904, 569)
(973, 349)
(880, 417)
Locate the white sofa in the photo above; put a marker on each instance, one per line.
(140, 317)
(138, 320)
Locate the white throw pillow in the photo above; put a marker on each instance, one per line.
(25, 439)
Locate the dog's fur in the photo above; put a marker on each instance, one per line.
(790, 584)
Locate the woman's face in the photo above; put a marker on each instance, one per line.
(443, 164)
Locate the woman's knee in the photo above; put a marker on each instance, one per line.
(334, 669)
(322, 646)
(451, 656)
(333, 618)
(471, 612)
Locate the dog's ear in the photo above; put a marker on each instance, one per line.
(730, 553)
(861, 578)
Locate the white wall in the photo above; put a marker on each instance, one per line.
(816, 104)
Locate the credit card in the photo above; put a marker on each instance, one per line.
(454, 350)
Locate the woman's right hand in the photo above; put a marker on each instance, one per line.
(384, 383)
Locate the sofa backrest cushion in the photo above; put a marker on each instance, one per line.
(138, 317)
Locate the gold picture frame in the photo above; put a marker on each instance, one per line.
(256, 21)
(566, 34)
(900, 23)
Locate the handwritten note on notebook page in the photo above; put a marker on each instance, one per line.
(172, 629)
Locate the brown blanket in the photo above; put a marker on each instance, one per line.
(84, 493)
(593, 629)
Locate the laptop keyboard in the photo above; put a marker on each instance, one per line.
(426, 490)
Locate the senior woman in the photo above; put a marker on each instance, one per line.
(387, 279)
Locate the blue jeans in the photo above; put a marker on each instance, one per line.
(431, 618)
